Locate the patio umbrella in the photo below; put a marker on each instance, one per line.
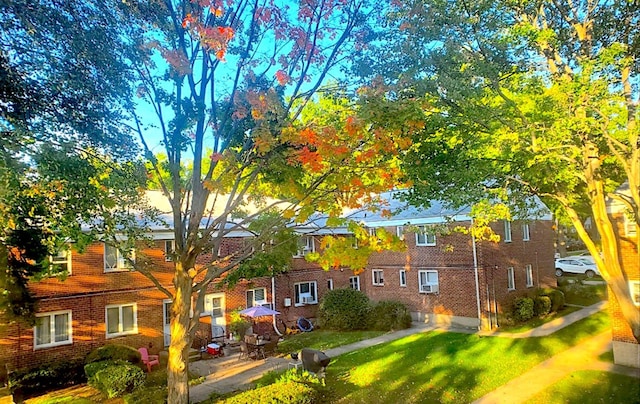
(258, 311)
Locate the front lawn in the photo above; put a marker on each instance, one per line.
(323, 340)
(591, 386)
(445, 367)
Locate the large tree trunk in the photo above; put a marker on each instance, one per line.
(177, 368)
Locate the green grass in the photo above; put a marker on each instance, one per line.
(538, 321)
(606, 357)
(590, 386)
(445, 367)
(323, 339)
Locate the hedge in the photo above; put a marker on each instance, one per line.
(26, 383)
(389, 315)
(278, 393)
(114, 352)
(117, 378)
(344, 309)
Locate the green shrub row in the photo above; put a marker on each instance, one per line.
(115, 378)
(543, 302)
(556, 296)
(114, 352)
(28, 382)
(350, 309)
(279, 393)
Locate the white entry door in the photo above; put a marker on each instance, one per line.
(214, 306)
(166, 321)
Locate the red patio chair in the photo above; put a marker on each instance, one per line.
(147, 359)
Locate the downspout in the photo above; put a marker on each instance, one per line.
(475, 270)
(273, 304)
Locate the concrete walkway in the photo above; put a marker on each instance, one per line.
(228, 374)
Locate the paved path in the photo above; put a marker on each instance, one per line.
(228, 374)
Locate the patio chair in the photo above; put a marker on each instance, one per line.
(147, 359)
(270, 347)
(245, 353)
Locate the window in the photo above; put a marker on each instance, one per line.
(330, 284)
(634, 287)
(372, 231)
(425, 239)
(403, 277)
(305, 293)
(61, 262)
(528, 271)
(52, 329)
(256, 297)
(511, 281)
(378, 277)
(212, 305)
(507, 231)
(525, 232)
(122, 319)
(428, 281)
(400, 232)
(354, 282)
(630, 227)
(114, 261)
(305, 246)
(169, 250)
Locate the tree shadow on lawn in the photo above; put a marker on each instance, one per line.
(416, 369)
(445, 366)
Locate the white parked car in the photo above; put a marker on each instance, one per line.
(581, 264)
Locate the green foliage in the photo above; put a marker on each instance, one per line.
(289, 392)
(541, 305)
(238, 325)
(28, 382)
(523, 309)
(90, 369)
(114, 352)
(556, 296)
(116, 378)
(344, 309)
(584, 295)
(147, 394)
(389, 315)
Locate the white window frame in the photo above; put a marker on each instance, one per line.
(528, 271)
(330, 283)
(121, 263)
(59, 259)
(429, 239)
(52, 329)
(507, 231)
(298, 295)
(377, 277)
(400, 232)
(511, 279)
(426, 286)
(633, 284)
(121, 331)
(169, 250)
(526, 232)
(372, 231)
(306, 245)
(354, 281)
(254, 302)
(403, 278)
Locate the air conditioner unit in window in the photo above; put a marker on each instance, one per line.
(306, 298)
(429, 288)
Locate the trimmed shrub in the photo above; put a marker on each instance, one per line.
(118, 378)
(90, 369)
(344, 309)
(523, 309)
(541, 305)
(278, 393)
(28, 382)
(114, 352)
(388, 315)
(556, 296)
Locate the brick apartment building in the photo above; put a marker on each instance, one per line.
(443, 277)
(626, 350)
